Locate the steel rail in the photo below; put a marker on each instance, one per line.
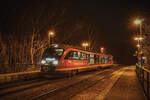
(59, 89)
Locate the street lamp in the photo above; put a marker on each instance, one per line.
(50, 34)
(139, 22)
(102, 49)
(85, 44)
(138, 38)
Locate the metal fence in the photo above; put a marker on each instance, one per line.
(143, 75)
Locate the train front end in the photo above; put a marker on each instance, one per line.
(50, 59)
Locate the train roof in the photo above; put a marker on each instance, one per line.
(64, 46)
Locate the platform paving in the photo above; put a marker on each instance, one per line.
(127, 87)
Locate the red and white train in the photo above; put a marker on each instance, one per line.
(65, 58)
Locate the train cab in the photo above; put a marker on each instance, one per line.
(50, 59)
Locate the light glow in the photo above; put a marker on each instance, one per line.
(51, 33)
(138, 38)
(102, 49)
(85, 44)
(138, 45)
(137, 21)
(56, 45)
(55, 62)
(43, 62)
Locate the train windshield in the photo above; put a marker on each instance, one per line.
(53, 52)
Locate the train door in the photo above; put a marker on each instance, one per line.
(106, 59)
(102, 59)
(96, 59)
(91, 58)
(88, 58)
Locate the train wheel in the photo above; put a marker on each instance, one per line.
(42, 70)
(72, 73)
(77, 71)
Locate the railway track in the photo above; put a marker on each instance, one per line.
(83, 79)
(10, 85)
(22, 86)
(24, 82)
(57, 90)
(83, 84)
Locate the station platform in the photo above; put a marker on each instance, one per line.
(127, 87)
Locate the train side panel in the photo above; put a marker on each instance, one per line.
(88, 60)
(74, 59)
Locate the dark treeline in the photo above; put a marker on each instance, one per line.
(24, 35)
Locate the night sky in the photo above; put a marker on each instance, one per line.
(112, 20)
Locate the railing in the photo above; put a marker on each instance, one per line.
(143, 76)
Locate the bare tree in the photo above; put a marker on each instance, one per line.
(3, 57)
(146, 42)
(91, 37)
(41, 22)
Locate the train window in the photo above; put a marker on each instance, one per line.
(73, 55)
(59, 52)
(84, 56)
(68, 55)
(110, 58)
(53, 52)
(79, 54)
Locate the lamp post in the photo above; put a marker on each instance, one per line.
(139, 38)
(50, 34)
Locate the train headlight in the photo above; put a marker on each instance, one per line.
(43, 62)
(50, 59)
(55, 62)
